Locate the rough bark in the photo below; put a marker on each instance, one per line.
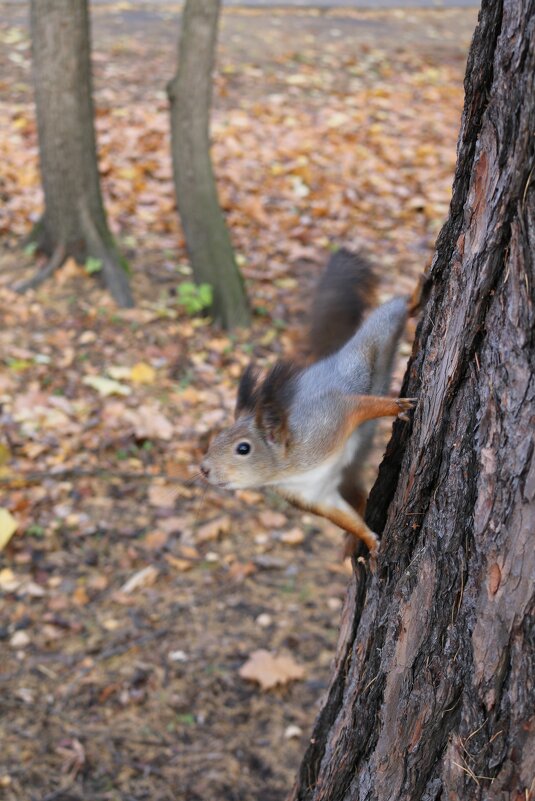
(433, 690)
(74, 221)
(207, 237)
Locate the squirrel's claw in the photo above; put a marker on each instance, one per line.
(405, 405)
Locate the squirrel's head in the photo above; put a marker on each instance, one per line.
(254, 450)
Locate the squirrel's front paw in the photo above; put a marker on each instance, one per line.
(405, 405)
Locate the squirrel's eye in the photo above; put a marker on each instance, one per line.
(243, 448)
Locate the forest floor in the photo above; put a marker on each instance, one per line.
(131, 595)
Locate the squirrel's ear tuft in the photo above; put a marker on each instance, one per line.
(247, 391)
(275, 397)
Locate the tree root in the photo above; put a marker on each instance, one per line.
(55, 262)
(100, 246)
(113, 272)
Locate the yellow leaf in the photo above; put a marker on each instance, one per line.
(105, 386)
(5, 454)
(142, 373)
(8, 526)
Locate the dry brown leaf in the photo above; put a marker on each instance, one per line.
(174, 525)
(211, 531)
(249, 496)
(271, 519)
(155, 540)
(162, 495)
(176, 469)
(293, 537)
(238, 571)
(182, 565)
(269, 671)
(80, 596)
(188, 552)
(149, 422)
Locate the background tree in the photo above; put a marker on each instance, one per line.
(190, 93)
(433, 688)
(74, 221)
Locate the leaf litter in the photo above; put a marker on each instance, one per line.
(131, 596)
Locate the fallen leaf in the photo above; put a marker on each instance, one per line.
(20, 640)
(292, 731)
(182, 565)
(238, 571)
(142, 373)
(293, 537)
(149, 423)
(177, 656)
(110, 624)
(106, 386)
(5, 454)
(162, 495)
(155, 540)
(80, 596)
(119, 373)
(268, 670)
(8, 526)
(173, 525)
(143, 578)
(211, 531)
(187, 552)
(270, 519)
(8, 581)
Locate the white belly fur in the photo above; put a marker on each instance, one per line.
(320, 484)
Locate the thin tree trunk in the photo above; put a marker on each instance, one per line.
(433, 691)
(190, 93)
(74, 221)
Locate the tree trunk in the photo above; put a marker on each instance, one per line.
(190, 93)
(433, 690)
(74, 221)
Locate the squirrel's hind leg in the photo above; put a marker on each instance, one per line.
(339, 512)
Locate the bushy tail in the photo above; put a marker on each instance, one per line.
(346, 289)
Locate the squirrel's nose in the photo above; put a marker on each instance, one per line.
(205, 470)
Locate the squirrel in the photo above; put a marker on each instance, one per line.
(306, 430)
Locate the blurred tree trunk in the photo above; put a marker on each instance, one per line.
(74, 221)
(433, 690)
(190, 93)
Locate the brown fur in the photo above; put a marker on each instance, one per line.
(274, 400)
(247, 391)
(353, 524)
(366, 407)
(346, 290)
